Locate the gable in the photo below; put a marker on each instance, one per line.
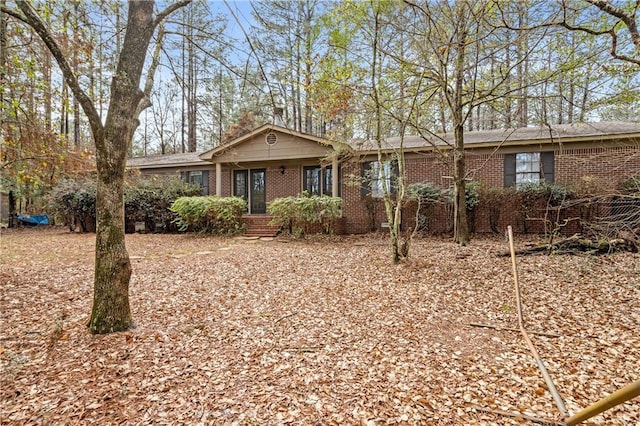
(286, 147)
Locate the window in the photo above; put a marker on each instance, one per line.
(328, 182)
(198, 177)
(528, 167)
(195, 178)
(240, 186)
(378, 176)
(318, 180)
(312, 180)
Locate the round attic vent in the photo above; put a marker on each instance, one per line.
(271, 138)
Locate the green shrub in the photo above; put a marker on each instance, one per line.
(75, 201)
(297, 214)
(472, 195)
(495, 199)
(541, 202)
(426, 193)
(631, 185)
(552, 193)
(209, 214)
(148, 199)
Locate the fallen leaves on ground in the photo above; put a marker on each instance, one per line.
(320, 331)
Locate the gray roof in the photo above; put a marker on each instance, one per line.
(577, 132)
(524, 135)
(167, 160)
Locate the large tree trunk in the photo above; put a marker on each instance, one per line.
(111, 311)
(460, 225)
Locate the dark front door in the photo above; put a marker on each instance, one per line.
(241, 184)
(258, 195)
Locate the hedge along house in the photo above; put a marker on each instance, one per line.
(272, 162)
(596, 154)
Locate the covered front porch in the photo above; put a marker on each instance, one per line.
(273, 162)
(259, 183)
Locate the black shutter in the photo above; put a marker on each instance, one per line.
(184, 177)
(205, 182)
(509, 170)
(547, 166)
(365, 179)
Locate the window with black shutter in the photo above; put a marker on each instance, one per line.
(528, 167)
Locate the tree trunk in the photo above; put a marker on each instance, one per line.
(111, 311)
(460, 224)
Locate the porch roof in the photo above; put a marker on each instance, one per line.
(219, 153)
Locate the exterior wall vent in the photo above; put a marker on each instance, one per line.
(271, 138)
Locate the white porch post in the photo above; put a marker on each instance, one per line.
(334, 177)
(218, 179)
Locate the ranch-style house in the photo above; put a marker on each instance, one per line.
(272, 161)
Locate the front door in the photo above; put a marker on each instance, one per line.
(241, 184)
(258, 195)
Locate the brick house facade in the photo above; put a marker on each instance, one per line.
(273, 162)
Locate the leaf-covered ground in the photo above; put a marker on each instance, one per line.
(324, 331)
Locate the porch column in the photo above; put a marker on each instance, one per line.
(218, 179)
(334, 177)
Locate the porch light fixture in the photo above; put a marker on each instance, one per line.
(282, 169)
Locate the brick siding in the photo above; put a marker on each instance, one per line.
(598, 168)
(594, 167)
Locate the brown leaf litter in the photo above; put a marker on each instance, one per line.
(321, 331)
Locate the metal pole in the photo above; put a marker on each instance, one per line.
(545, 374)
(618, 397)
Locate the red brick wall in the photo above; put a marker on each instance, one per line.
(601, 167)
(283, 185)
(277, 184)
(597, 167)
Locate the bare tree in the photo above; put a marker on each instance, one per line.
(622, 28)
(111, 311)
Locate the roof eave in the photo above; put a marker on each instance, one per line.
(509, 143)
(168, 165)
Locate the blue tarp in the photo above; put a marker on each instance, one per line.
(34, 219)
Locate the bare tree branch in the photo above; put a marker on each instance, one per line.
(14, 13)
(629, 20)
(169, 9)
(33, 20)
(145, 102)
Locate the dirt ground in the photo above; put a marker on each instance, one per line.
(315, 332)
